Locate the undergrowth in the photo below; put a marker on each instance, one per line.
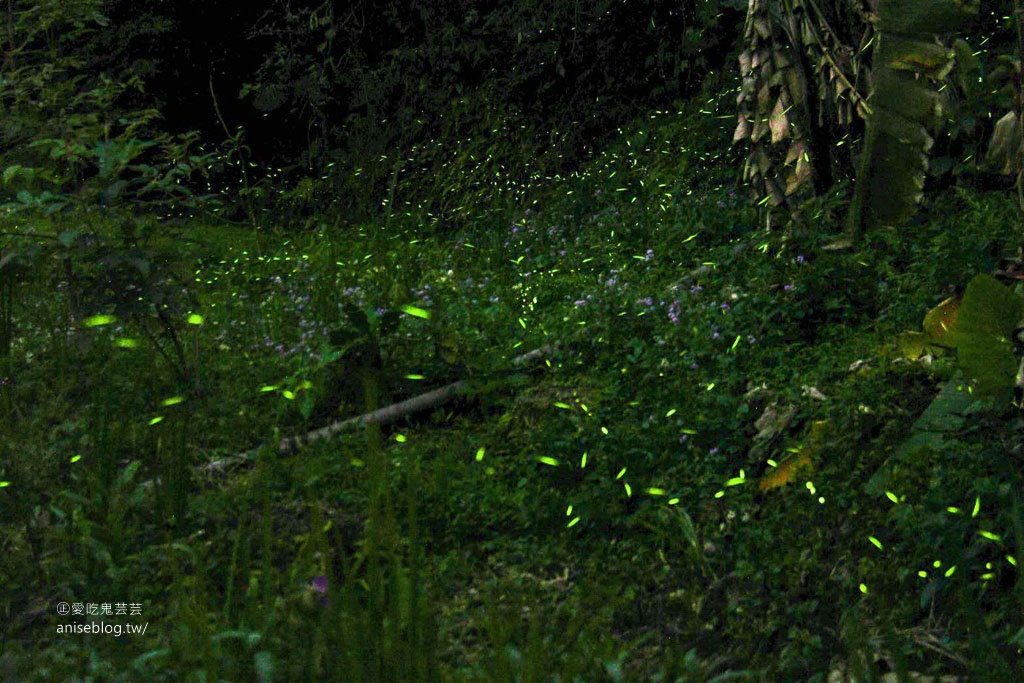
(600, 514)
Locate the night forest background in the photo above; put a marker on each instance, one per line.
(621, 340)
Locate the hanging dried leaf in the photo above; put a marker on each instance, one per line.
(781, 60)
(778, 122)
(800, 177)
(773, 421)
(762, 27)
(757, 58)
(1005, 149)
(760, 129)
(796, 150)
(745, 63)
(742, 130)
(776, 195)
(794, 86)
(783, 49)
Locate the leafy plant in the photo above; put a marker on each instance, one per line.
(69, 135)
(903, 105)
(351, 364)
(803, 69)
(981, 327)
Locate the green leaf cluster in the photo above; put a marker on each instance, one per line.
(980, 327)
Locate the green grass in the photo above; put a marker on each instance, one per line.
(594, 517)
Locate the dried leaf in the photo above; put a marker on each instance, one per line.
(743, 129)
(778, 122)
(760, 128)
(773, 421)
(801, 460)
(797, 149)
(1005, 148)
(781, 60)
(777, 197)
(794, 86)
(745, 63)
(785, 472)
(800, 176)
(839, 244)
(813, 392)
(762, 26)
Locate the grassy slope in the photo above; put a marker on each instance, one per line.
(668, 307)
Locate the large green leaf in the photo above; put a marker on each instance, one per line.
(904, 104)
(935, 430)
(989, 308)
(980, 326)
(989, 314)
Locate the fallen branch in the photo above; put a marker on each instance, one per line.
(387, 415)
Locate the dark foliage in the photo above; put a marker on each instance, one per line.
(322, 87)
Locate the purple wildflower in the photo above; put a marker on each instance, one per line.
(318, 585)
(674, 311)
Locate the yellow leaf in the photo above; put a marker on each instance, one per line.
(801, 459)
(911, 345)
(940, 322)
(784, 473)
